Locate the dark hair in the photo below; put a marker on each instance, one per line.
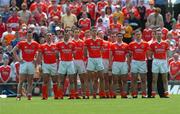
(106, 9)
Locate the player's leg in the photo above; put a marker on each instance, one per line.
(165, 84)
(107, 84)
(143, 84)
(29, 86)
(72, 81)
(134, 80)
(45, 86)
(55, 85)
(83, 85)
(114, 86)
(154, 84)
(101, 79)
(123, 79)
(22, 78)
(61, 80)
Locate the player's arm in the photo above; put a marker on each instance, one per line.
(110, 59)
(14, 51)
(85, 52)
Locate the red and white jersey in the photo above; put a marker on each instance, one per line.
(92, 9)
(127, 14)
(119, 51)
(110, 19)
(54, 13)
(94, 47)
(66, 50)
(106, 49)
(175, 68)
(101, 5)
(85, 24)
(79, 49)
(5, 72)
(164, 33)
(149, 11)
(75, 8)
(51, 7)
(41, 5)
(48, 53)
(28, 50)
(159, 49)
(14, 21)
(138, 50)
(115, 27)
(147, 34)
(175, 36)
(2, 29)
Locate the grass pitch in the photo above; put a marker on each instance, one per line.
(91, 106)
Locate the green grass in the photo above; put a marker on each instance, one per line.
(91, 106)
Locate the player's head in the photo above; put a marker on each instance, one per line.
(66, 37)
(100, 34)
(138, 34)
(93, 31)
(5, 59)
(76, 33)
(176, 56)
(48, 37)
(119, 37)
(29, 34)
(158, 34)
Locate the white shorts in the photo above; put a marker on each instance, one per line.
(66, 67)
(79, 66)
(27, 68)
(106, 65)
(138, 66)
(95, 64)
(160, 66)
(49, 68)
(119, 68)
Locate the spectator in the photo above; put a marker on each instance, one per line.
(38, 4)
(24, 14)
(133, 21)
(69, 19)
(13, 6)
(128, 32)
(6, 13)
(84, 23)
(92, 11)
(14, 21)
(162, 4)
(142, 11)
(104, 18)
(8, 35)
(175, 68)
(53, 24)
(169, 20)
(118, 13)
(2, 26)
(100, 26)
(155, 18)
(176, 8)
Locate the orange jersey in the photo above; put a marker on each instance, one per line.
(85, 24)
(28, 50)
(147, 35)
(164, 33)
(8, 38)
(119, 51)
(94, 47)
(92, 9)
(139, 50)
(5, 73)
(127, 14)
(115, 27)
(160, 49)
(101, 5)
(78, 50)
(106, 49)
(75, 9)
(49, 53)
(175, 68)
(66, 50)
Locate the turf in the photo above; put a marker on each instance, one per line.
(91, 106)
